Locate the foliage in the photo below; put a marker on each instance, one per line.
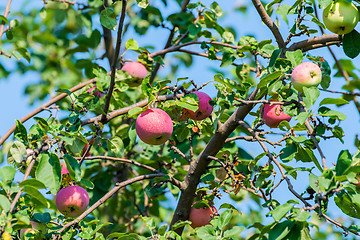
(132, 185)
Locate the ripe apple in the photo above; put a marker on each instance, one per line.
(273, 115)
(306, 74)
(94, 91)
(72, 201)
(154, 126)
(201, 216)
(137, 71)
(35, 227)
(341, 16)
(63, 168)
(204, 110)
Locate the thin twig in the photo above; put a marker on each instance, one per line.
(117, 187)
(7, 10)
(115, 60)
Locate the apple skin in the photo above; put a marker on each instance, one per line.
(154, 126)
(341, 17)
(63, 168)
(306, 74)
(35, 227)
(94, 91)
(137, 71)
(201, 217)
(273, 115)
(72, 201)
(204, 110)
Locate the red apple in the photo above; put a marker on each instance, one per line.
(204, 110)
(72, 201)
(306, 74)
(154, 126)
(63, 168)
(94, 91)
(201, 217)
(35, 227)
(137, 71)
(273, 115)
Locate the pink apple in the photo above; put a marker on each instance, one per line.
(35, 227)
(63, 168)
(137, 71)
(94, 91)
(72, 201)
(204, 110)
(273, 115)
(201, 217)
(154, 126)
(306, 74)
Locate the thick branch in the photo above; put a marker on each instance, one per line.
(108, 195)
(316, 42)
(269, 23)
(198, 166)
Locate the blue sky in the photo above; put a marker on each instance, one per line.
(14, 104)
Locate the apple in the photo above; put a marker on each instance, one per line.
(204, 110)
(341, 16)
(72, 201)
(201, 216)
(154, 126)
(273, 115)
(35, 227)
(94, 91)
(63, 168)
(137, 71)
(306, 74)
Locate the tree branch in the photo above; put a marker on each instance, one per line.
(316, 42)
(115, 60)
(269, 23)
(117, 187)
(198, 166)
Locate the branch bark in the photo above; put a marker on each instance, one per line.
(7, 10)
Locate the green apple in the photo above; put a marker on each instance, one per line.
(341, 17)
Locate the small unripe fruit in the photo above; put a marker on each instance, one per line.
(202, 216)
(94, 91)
(273, 115)
(306, 74)
(341, 16)
(204, 110)
(137, 71)
(154, 126)
(72, 201)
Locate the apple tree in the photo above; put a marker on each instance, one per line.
(129, 141)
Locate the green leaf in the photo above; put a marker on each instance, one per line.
(17, 152)
(268, 78)
(49, 171)
(216, 9)
(295, 57)
(108, 18)
(343, 163)
(280, 211)
(32, 182)
(88, 184)
(116, 146)
(4, 203)
(63, 91)
(311, 94)
(36, 195)
(324, 111)
(142, 3)
(324, 3)
(301, 117)
(233, 232)
(20, 132)
(186, 105)
(7, 173)
(347, 203)
(124, 236)
(134, 111)
(23, 52)
(73, 167)
(337, 101)
(225, 218)
(132, 44)
(42, 217)
(281, 230)
(206, 232)
(351, 44)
